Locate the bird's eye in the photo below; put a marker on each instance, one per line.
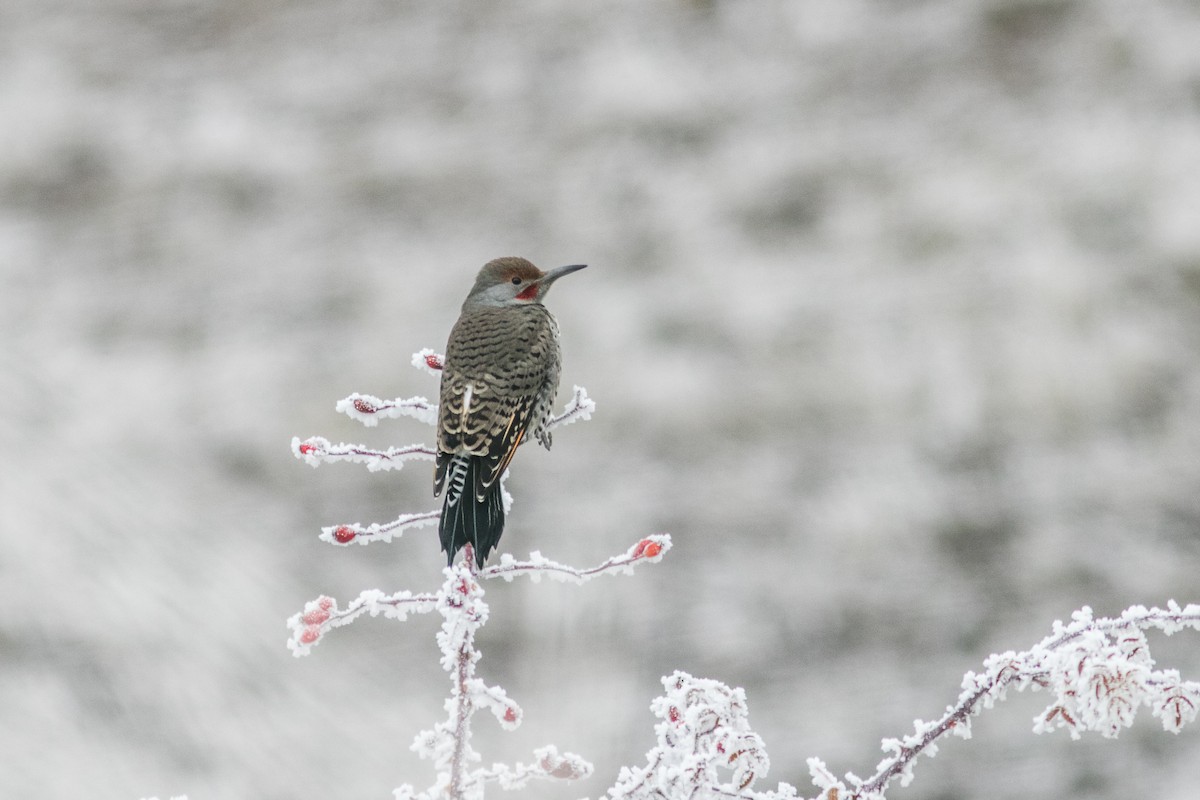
(516, 281)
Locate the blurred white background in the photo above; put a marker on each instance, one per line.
(893, 322)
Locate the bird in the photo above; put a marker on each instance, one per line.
(499, 380)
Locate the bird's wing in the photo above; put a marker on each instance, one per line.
(487, 426)
(489, 396)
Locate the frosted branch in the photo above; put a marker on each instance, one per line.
(549, 765)
(651, 549)
(368, 409)
(323, 615)
(448, 743)
(317, 450)
(376, 532)
(580, 407)
(1099, 670)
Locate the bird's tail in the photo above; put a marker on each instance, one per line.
(466, 517)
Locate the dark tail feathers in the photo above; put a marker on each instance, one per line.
(465, 518)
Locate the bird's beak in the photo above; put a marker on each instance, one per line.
(554, 274)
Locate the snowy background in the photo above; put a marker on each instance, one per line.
(892, 319)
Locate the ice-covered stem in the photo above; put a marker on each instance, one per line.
(448, 744)
(369, 409)
(323, 615)
(463, 610)
(549, 765)
(580, 407)
(1100, 671)
(317, 450)
(651, 549)
(353, 532)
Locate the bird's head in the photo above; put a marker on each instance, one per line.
(514, 281)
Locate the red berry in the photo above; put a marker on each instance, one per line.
(325, 603)
(433, 362)
(510, 714)
(307, 448)
(363, 407)
(647, 548)
(310, 635)
(344, 535)
(315, 617)
(673, 714)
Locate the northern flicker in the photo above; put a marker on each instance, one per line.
(499, 380)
